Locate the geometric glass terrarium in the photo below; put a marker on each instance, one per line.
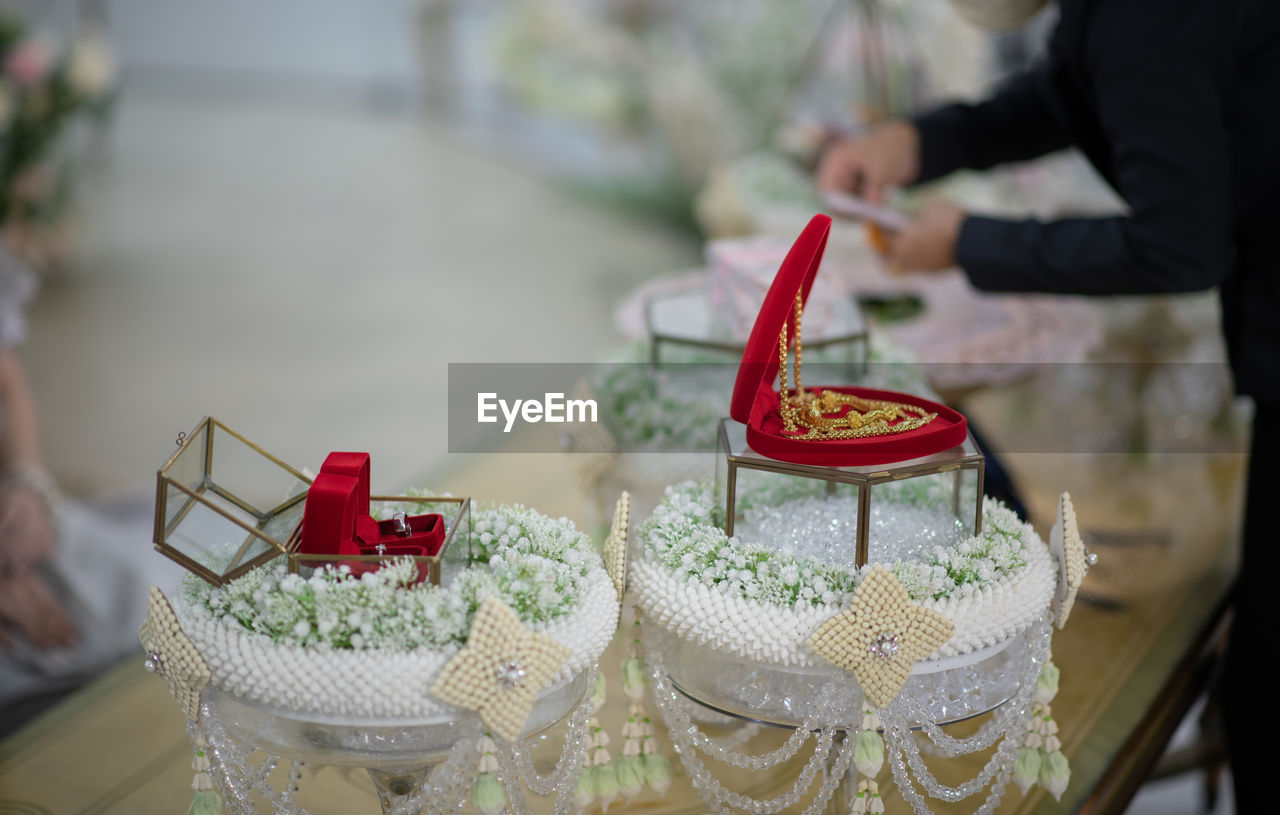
(845, 508)
(224, 506)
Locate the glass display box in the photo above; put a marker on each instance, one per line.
(225, 505)
(952, 479)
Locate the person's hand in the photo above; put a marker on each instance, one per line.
(928, 243)
(26, 533)
(887, 156)
(29, 609)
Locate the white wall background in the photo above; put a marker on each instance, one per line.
(347, 41)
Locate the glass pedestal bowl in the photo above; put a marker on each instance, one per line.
(948, 690)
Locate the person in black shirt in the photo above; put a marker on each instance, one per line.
(1177, 105)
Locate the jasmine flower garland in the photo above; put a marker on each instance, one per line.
(535, 564)
(684, 535)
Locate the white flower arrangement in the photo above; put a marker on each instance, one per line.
(536, 565)
(671, 408)
(684, 535)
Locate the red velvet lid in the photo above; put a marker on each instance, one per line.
(755, 399)
(355, 465)
(753, 393)
(329, 516)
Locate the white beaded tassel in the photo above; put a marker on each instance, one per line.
(868, 747)
(867, 800)
(1041, 761)
(630, 769)
(642, 762)
(598, 783)
(487, 794)
(205, 801)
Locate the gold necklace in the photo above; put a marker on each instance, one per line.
(822, 415)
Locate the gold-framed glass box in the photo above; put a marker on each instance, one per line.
(225, 505)
(949, 483)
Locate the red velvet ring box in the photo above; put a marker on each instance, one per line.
(337, 520)
(755, 395)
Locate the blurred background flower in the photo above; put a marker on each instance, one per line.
(45, 90)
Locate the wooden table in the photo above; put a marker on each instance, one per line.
(1128, 674)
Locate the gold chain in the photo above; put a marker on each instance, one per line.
(820, 416)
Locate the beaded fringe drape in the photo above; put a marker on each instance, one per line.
(833, 739)
(241, 772)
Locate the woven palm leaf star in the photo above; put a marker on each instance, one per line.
(880, 636)
(1074, 559)
(172, 655)
(615, 546)
(500, 670)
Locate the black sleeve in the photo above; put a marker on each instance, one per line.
(1159, 92)
(1014, 125)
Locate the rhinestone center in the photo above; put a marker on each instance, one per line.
(154, 664)
(885, 645)
(511, 674)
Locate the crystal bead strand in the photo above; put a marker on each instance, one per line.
(902, 744)
(712, 790)
(570, 760)
(1010, 716)
(676, 718)
(239, 777)
(1004, 754)
(905, 786)
(509, 777)
(834, 698)
(745, 733)
(228, 790)
(253, 780)
(675, 714)
(835, 775)
(565, 798)
(918, 805)
(449, 785)
(293, 783)
(715, 794)
(1002, 721)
